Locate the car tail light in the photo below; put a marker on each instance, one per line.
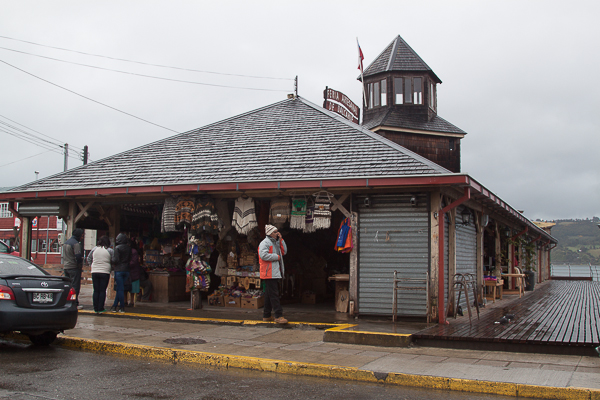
(72, 295)
(6, 293)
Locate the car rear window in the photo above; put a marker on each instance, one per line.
(18, 266)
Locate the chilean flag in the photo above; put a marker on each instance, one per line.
(360, 57)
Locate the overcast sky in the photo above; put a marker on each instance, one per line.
(518, 76)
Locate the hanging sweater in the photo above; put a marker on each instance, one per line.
(167, 223)
(244, 215)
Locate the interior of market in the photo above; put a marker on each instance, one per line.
(208, 247)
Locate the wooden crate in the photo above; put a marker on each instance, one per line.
(232, 302)
(309, 298)
(216, 300)
(253, 302)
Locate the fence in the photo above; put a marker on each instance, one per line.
(575, 271)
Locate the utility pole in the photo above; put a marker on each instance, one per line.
(85, 155)
(66, 156)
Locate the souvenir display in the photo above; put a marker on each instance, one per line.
(167, 223)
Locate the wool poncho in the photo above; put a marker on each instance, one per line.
(244, 215)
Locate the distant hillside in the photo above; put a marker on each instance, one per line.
(578, 241)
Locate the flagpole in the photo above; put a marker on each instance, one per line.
(362, 78)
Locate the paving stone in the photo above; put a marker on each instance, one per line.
(555, 367)
(376, 354)
(517, 364)
(492, 363)
(248, 343)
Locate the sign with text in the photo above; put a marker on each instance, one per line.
(339, 103)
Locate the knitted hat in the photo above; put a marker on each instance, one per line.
(269, 229)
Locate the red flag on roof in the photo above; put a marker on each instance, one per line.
(360, 57)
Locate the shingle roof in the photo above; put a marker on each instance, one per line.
(397, 118)
(290, 140)
(398, 56)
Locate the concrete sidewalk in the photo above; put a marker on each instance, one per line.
(298, 348)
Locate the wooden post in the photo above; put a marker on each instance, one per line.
(435, 202)
(71, 219)
(25, 248)
(353, 283)
(451, 259)
(498, 255)
(479, 267)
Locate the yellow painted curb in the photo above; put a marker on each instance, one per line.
(210, 320)
(327, 371)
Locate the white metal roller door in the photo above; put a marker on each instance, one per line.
(394, 235)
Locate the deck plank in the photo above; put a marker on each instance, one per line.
(556, 313)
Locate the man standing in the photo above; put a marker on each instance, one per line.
(270, 252)
(73, 261)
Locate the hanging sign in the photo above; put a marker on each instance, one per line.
(339, 103)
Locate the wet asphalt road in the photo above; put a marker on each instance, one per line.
(30, 372)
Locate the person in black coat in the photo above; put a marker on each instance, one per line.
(120, 261)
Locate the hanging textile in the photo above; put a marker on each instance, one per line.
(322, 214)
(205, 216)
(224, 217)
(309, 226)
(201, 245)
(167, 221)
(298, 219)
(244, 215)
(184, 212)
(344, 240)
(197, 275)
(280, 211)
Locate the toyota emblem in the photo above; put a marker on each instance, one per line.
(44, 284)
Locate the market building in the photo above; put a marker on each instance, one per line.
(353, 205)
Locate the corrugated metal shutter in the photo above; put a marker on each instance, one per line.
(466, 252)
(394, 235)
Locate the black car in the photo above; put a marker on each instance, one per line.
(34, 302)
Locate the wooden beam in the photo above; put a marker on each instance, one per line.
(341, 200)
(104, 217)
(83, 210)
(338, 204)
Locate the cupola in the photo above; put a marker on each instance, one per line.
(401, 105)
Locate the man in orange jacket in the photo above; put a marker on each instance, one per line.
(270, 252)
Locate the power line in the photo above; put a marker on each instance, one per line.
(144, 63)
(31, 129)
(27, 133)
(144, 75)
(31, 141)
(87, 98)
(42, 145)
(26, 158)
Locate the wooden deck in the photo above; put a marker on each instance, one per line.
(560, 317)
